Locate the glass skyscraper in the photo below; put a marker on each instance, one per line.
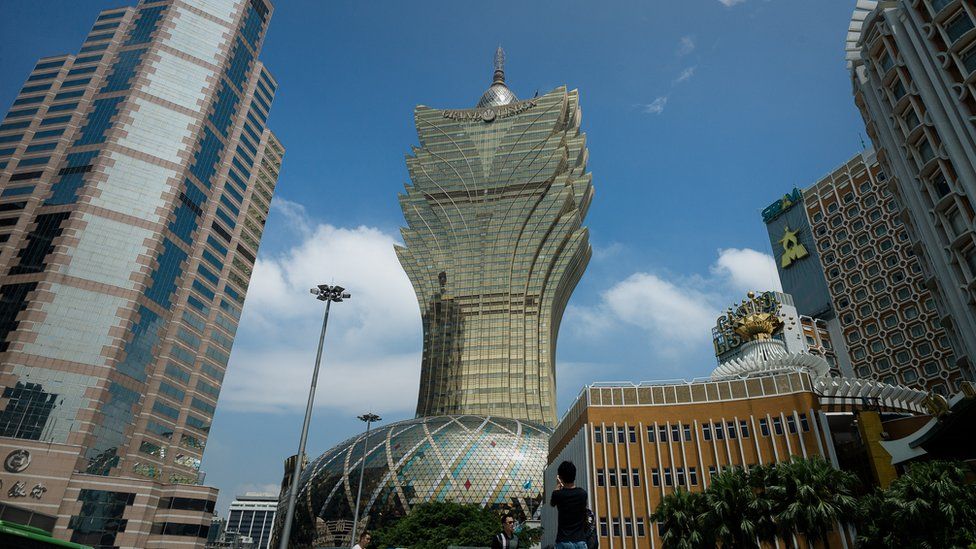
(136, 180)
(494, 246)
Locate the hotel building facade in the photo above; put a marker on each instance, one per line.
(842, 251)
(136, 179)
(913, 70)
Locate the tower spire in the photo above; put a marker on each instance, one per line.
(499, 77)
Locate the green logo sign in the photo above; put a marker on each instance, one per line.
(776, 209)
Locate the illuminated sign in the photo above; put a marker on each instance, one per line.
(792, 248)
(724, 337)
(775, 209)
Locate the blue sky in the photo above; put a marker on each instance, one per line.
(698, 114)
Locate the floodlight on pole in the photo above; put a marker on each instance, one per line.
(328, 294)
(369, 418)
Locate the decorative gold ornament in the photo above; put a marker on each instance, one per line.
(792, 248)
(756, 318)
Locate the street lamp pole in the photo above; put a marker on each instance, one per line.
(328, 294)
(369, 418)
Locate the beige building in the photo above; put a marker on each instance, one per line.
(913, 70)
(136, 177)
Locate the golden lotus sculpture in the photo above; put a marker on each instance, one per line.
(755, 318)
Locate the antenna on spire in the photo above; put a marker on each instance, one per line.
(499, 66)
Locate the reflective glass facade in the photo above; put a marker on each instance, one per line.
(494, 245)
(468, 459)
(124, 170)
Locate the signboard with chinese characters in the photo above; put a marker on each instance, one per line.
(16, 462)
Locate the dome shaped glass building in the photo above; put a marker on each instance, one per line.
(488, 461)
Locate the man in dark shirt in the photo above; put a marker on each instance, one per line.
(570, 504)
(507, 539)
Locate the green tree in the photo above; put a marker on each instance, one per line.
(682, 518)
(731, 509)
(438, 524)
(810, 496)
(930, 506)
(762, 507)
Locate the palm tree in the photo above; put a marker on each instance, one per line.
(731, 509)
(810, 497)
(761, 477)
(877, 527)
(681, 515)
(931, 506)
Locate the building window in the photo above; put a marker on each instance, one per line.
(641, 532)
(668, 479)
(719, 432)
(777, 426)
(897, 338)
(662, 433)
(629, 527)
(885, 62)
(707, 431)
(681, 475)
(687, 432)
(969, 59)
(791, 424)
(600, 478)
(969, 257)
(624, 478)
(616, 527)
(730, 426)
(650, 433)
(693, 476)
(598, 435)
(744, 428)
(925, 151)
(655, 477)
(764, 427)
(609, 435)
(632, 433)
(898, 90)
(902, 357)
(604, 532)
(711, 471)
(909, 376)
(675, 433)
(621, 436)
(612, 477)
(635, 477)
(804, 424)
(939, 5)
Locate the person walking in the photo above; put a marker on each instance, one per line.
(364, 540)
(506, 539)
(570, 504)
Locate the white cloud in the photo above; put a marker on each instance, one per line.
(372, 348)
(656, 106)
(677, 312)
(671, 311)
(685, 75)
(730, 3)
(686, 45)
(747, 269)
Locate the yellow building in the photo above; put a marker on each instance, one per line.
(633, 444)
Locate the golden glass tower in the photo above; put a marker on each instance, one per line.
(494, 245)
